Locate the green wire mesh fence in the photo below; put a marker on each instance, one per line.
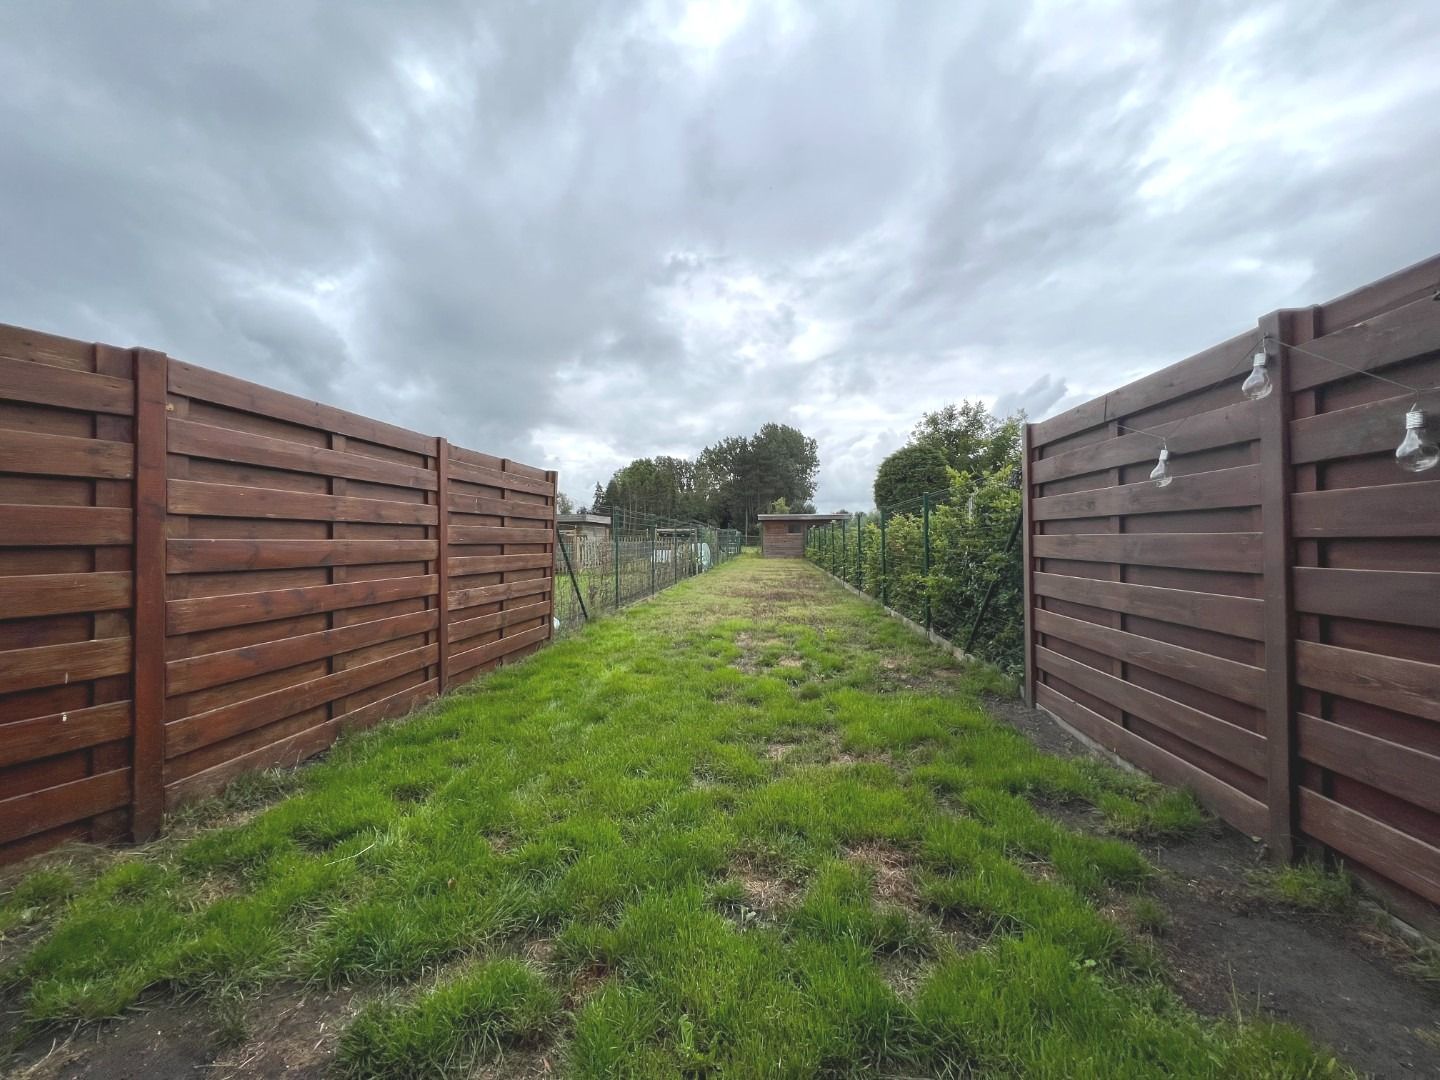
(951, 566)
(599, 570)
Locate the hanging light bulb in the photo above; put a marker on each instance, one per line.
(1258, 383)
(1416, 452)
(1161, 473)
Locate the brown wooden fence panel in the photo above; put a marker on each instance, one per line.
(289, 570)
(67, 467)
(1264, 629)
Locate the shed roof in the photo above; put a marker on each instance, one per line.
(804, 517)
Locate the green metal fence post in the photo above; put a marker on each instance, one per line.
(615, 540)
(652, 560)
(925, 506)
(884, 566)
(844, 547)
(860, 551)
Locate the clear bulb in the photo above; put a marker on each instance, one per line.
(1161, 473)
(1415, 452)
(1258, 383)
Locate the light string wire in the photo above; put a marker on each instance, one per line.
(1418, 391)
(1163, 440)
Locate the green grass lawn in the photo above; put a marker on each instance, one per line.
(750, 828)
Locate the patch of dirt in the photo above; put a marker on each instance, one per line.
(287, 1034)
(892, 883)
(777, 751)
(586, 982)
(1228, 950)
(520, 1065)
(766, 891)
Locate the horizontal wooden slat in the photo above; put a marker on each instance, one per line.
(493, 594)
(202, 729)
(48, 808)
(1419, 281)
(1188, 376)
(293, 749)
(30, 595)
(1240, 810)
(237, 609)
(1373, 345)
(197, 382)
(463, 629)
(60, 665)
(60, 733)
(233, 500)
(1396, 596)
(464, 661)
(493, 534)
(1233, 743)
(1407, 686)
(65, 526)
(1396, 855)
(1200, 491)
(1399, 770)
(1387, 510)
(214, 669)
(1363, 429)
(36, 453)
(193, 556)
(494, 564)
(1204, 431)
(45, 384)
(1194, 551)
(509, 481)
(226, 444)
(1229, 678)
(492, 507)
(1234, 615)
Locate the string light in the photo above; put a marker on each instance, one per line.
(1161, 473)
(1258, 383)
(1416, 452)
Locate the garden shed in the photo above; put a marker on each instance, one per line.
(782, 536)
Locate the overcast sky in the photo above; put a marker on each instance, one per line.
(577, 233)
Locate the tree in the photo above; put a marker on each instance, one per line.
(909, 473)
(779, 506)
(563, 503)
(597, 500)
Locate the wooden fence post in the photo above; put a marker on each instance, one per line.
(147, 773)
(442, 559)
(1279, 626)
(1027, 527)
(553, 478)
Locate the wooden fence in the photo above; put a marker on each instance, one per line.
(1266, 629)
(200, 576)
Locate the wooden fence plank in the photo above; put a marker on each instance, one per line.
(1396, 596)
(1399, 856)
(48, 808)
(184, 556)
(462, 565)
(492, 594)
(443, 568)
(464, 661)
(1213, 490)
(192, 732)
(65, 526)
(237, 609)
(198, 382)
(59, 733)
(1234, 615)
(83, 391)
(505, 481)
(30, 595)
(1408, 686)
(1373, 345)
(1234, 423)
(492, 507)
(1399, 770)
(59, 665)
(1233, 743)
(1362, 429)
(1388, 510)
(233, 500)
(225, 444)
(1240, 810)
(1228, 678)
(496, 534)
(39, 453)
(217, 668)
(1237, 552)
(464, 629)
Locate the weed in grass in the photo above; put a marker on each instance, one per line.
(706, 907)
(1149, 916)
(1306, 886)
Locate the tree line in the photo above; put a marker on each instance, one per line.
(727, 485)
